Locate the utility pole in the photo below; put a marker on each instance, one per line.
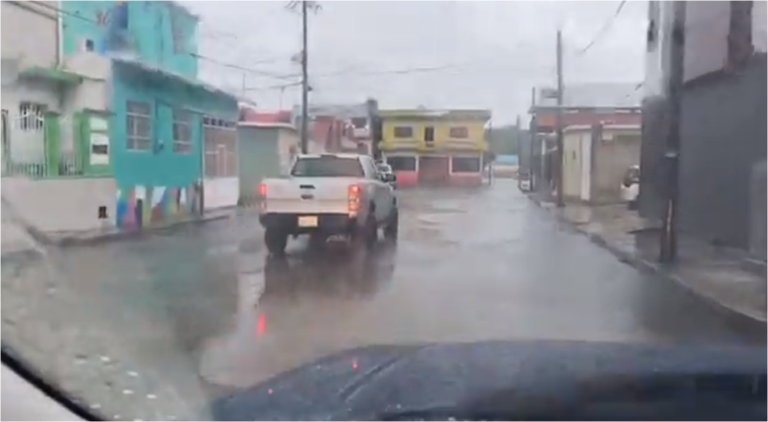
(304, 81)
(374, 124)
(668, 246)
(560, 147)
(533, 166)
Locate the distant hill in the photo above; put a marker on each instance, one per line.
(505, 140)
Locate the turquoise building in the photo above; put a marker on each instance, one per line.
(169, 131)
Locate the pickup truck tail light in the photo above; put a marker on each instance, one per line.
(262, 197)
(353, 196)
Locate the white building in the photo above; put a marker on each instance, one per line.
(44, 101)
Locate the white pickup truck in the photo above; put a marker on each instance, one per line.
(332, 196)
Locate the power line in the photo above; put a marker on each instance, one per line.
(196, 55)
(604, 29)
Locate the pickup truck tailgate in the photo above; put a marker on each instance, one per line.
(308, 195)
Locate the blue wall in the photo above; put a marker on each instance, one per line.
(507, 159)
(144, 28)
(162, 166)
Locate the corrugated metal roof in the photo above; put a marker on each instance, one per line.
(594, 95)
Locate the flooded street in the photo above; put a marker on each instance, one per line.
(191, 314)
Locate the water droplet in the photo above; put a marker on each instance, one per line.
(133, 374)
(116, 417)
(106, 359)
(95, 406)
(151, 396)
(127, 392)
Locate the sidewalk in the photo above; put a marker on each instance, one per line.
(20, 240)
(716, 274)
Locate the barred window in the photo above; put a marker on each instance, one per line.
(138, 122)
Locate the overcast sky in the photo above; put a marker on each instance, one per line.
(440, 54)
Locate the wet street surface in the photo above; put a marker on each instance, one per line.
(153, 328)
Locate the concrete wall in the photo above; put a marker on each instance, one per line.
(723, 138)
(221, 192)
(257, 159)
(29, 38)
(614, 153)
(287, 143)
(62, 204)
(652, 170)
(30, 33)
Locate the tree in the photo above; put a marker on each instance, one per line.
(505, 140)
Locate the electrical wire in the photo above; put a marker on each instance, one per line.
(196, 55)
(604, 29)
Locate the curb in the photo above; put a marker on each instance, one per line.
(649, 267)
(73, 241)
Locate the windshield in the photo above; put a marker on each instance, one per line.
(147, 272)
(327, 166)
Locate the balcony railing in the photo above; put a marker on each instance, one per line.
(33, 147)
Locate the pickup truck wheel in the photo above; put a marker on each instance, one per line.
(371, 231)
(276, 241)
(392, 226)
(366, 235)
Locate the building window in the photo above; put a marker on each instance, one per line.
(31, 116)
(429, 134)
(402, 163)
(138, 122)
(220, 140)
(403, 132)
(182, 132)
(465, 164)
(459, 132)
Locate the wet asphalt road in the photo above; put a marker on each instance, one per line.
(175, 318)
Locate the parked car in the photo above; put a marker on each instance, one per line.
(630, 186)
(388, 175)
(329, 196)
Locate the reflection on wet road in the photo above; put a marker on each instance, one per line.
(469, 265)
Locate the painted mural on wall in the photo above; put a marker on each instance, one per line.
(142, 206)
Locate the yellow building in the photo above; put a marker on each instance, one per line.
(435, 145)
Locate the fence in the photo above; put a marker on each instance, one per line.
(40, 146)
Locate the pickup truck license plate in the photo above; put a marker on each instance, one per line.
(308, 221)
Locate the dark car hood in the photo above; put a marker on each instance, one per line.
(363, 384)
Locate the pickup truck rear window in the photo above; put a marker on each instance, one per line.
(327, 167)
